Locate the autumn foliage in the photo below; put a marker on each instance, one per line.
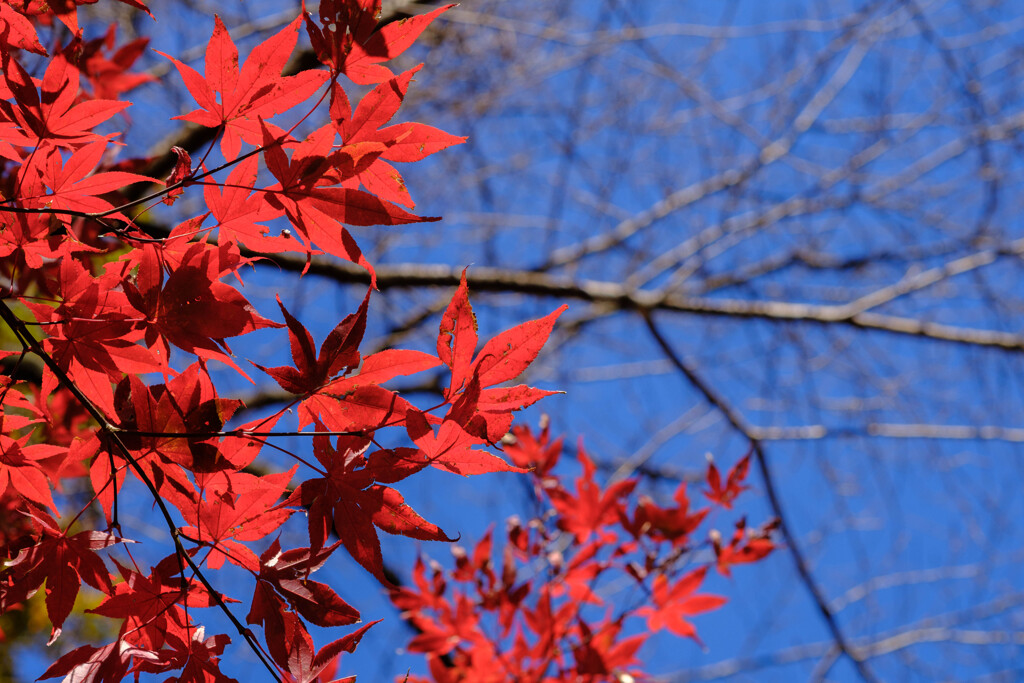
(128, 323)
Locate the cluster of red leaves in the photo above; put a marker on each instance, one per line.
(126, 324)
(578, 590)
(117, 305)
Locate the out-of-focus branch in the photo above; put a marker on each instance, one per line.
(889, 430)
(619, 298)
(942, 628)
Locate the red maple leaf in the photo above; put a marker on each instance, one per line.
(53, 117)
(284, 576)
(502, 358)
(340, 351)
(18, 31)
(746, 546)
(367, 140)
(20, 469)
(197, 656)
(63, 562)
(477, 416)
(50, 181)
(349, 501)
(453, 447)
(673, 524)
(109, 76)
(671, 604)
(591, 509)
(182, 172)
(725, 494)
(457, 337)
(349, 42)
(28, 238)
(535, 452)
(108, 664)
(303, 663)
(318, 211)
(258, 90)
(602, 653)
(92, 333)
(187, 405)
(153, 606)
(64, 10)
(352, 402)
(423, 594)
(237, 507)
(240, 213)
(191, 308)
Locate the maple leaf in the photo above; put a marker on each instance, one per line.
(467, 568)
(452, 447)
(192, 309)
(507, 355)
(479, 415)
(175, 415)
(600, 654)
(240, 213)
(590, 510)
(187, 405)
(348, 403)
(673, 604)
(14, 402)
(196, 655)
(384, 365)
(63, 562)
(356, 402)
(457, 337)
(237, 507)
(746, 546)
(580, 576)
(28, 238)
(339, 351)
(152, 606)
(109, 77)
(258, 90)
(19, 31)
(423, 594)
(502, 358)
(349, 501)
(537, 453)
(182, 171)
(667, 524)
(21, 471)
(725, 495)
(91, 333)
(348, 40)
(316, 211)
(363, 409)
(108, 664)
(52, 117)
(65, 10)
(367, 140)
(549, 623)
(71, 184)
(303, 663)
(284, 575)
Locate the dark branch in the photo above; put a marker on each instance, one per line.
(739, 423)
